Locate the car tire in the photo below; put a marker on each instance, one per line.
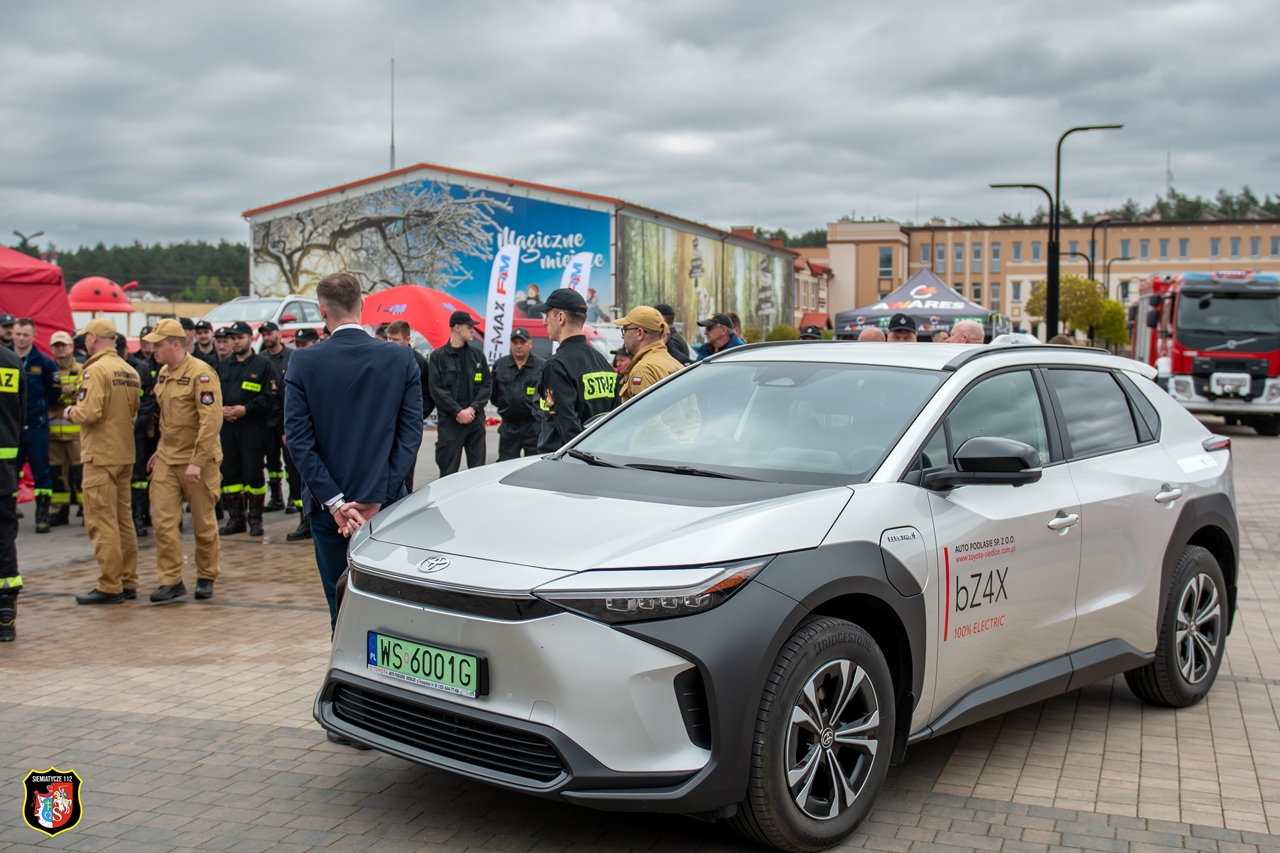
(1192, 636)
(1265, 424)
(826, 663)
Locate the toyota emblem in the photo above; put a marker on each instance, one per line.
(433, 564)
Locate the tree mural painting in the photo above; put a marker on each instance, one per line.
(415, 233)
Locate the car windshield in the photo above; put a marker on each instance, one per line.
(782, 422)
(250, 310)
(1229, 314)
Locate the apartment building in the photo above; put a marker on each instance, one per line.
(995, 265)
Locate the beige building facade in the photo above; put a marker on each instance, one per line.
(995, 265)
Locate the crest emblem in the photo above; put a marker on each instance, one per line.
(52, 801)
(433, 564)
(206, 397)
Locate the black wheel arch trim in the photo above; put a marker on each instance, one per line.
(1197, 521)
(735, 644)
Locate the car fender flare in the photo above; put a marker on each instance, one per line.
(1206, 511)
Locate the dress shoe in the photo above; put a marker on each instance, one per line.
(169, 592)
(97, 596)
(342, 741)
(204, 588)
(130, 594)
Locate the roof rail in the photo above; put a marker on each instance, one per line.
(965, 357)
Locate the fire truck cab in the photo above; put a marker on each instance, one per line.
(1214, 338)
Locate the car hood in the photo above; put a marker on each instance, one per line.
(567, 516)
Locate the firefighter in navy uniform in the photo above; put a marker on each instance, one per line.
(515, 393)
(277, 353)
(249, 388)
(460, 383)
(146, 432)
(578, 383)
(44, 387)
(13, 414)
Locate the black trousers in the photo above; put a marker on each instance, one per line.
(274, 450)
(244, 447)
(452, 438)
(295, 480)
(144, 446)
(516, 437)
(9, 543)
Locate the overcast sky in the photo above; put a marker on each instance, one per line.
(163, 121)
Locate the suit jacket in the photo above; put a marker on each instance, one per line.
(353, 418)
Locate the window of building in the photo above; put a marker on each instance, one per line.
(1184, 248)
(1124, 248)
(1073, 248)
(959, 255)
(1144, 249)
(886, 262)
(924, 253)
(977, 257)
(1015, 291)
(1017, 251)
(959, 287)
(1255, 247)
(1035, 250)
(1124, 289)
(995, 294)
(1275, 247)
(940, 258)
(977, 292)
(995, 257)
(1235, 247)
(1164, 250)
(1215, 247)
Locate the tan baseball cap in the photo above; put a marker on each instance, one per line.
(101, 326)
(61, 338)
(165, 329)
(644, 317)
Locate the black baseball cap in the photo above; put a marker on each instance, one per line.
(204, 325)
(811, 333)
(664, 309)
(307, 335)
(522, 333)
(269, 326)
(240, 327)
(619, 351)
(563, 299)
(461, 318)
(901, 322)
(7, 320)
(222, 332)
(717, 320)
(146, 330)
(188, 325)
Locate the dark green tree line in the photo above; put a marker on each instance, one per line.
(196, 271)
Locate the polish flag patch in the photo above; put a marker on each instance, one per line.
(635, 381)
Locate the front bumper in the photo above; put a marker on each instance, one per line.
(1183, 389)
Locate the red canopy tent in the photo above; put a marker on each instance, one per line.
(31, 288)
(425, 309)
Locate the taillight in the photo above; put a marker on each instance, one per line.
(1216, 442)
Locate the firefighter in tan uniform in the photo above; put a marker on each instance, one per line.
(186, 464)
(651, 362)
(105, 408)
(64, 436)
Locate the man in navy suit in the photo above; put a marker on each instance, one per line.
(353, 425)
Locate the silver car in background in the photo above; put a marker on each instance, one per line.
(756, 583)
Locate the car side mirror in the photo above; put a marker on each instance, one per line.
(1153, 318)
(987, 460)
(289, 318)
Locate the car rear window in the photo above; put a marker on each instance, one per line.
(1095, 409)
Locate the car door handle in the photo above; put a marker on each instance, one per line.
(1168, 494)
(1063, 520)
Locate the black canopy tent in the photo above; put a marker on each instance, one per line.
(929, 301)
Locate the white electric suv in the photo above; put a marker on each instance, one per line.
(753, 586)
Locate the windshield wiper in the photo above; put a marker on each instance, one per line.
(685, 469)
(590, 458)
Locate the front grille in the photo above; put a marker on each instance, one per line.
(511, 608)
(470, 741)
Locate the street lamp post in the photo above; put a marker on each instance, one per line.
(1088, 262)
(1107, 272)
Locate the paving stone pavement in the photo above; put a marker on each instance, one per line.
(190, 724)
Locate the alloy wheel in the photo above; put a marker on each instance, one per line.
(1198, 631)
(831, 739)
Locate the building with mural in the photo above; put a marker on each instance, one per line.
(440, 228)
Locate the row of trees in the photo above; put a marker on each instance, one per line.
(1083, 305)
(190, 271)
(1174, 206)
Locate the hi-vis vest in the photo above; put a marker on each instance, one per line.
(61, 429)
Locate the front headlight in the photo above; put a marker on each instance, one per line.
(635, 595)
(1182, 387)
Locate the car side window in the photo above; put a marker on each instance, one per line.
(310, 313)
(1096, 411)
(294, 308)
(1147, 412)
(1006, 405)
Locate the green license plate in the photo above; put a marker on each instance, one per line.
(428, 666)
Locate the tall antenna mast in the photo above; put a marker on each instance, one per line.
(393, 113)
(1168, 173)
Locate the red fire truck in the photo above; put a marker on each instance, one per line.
(1215, 340)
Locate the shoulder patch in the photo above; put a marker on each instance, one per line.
(85, 374)
(635, 381)
(83, 392)
(204, 379)
(206, 397)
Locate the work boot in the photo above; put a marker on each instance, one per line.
(303, 531)
(294, 506)
(42, 513)
(204, 588)
(169, 592)
(8, 616)
(277, 496)
(61, 517)
(97, 596)
(235, 514)
(255, 515)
